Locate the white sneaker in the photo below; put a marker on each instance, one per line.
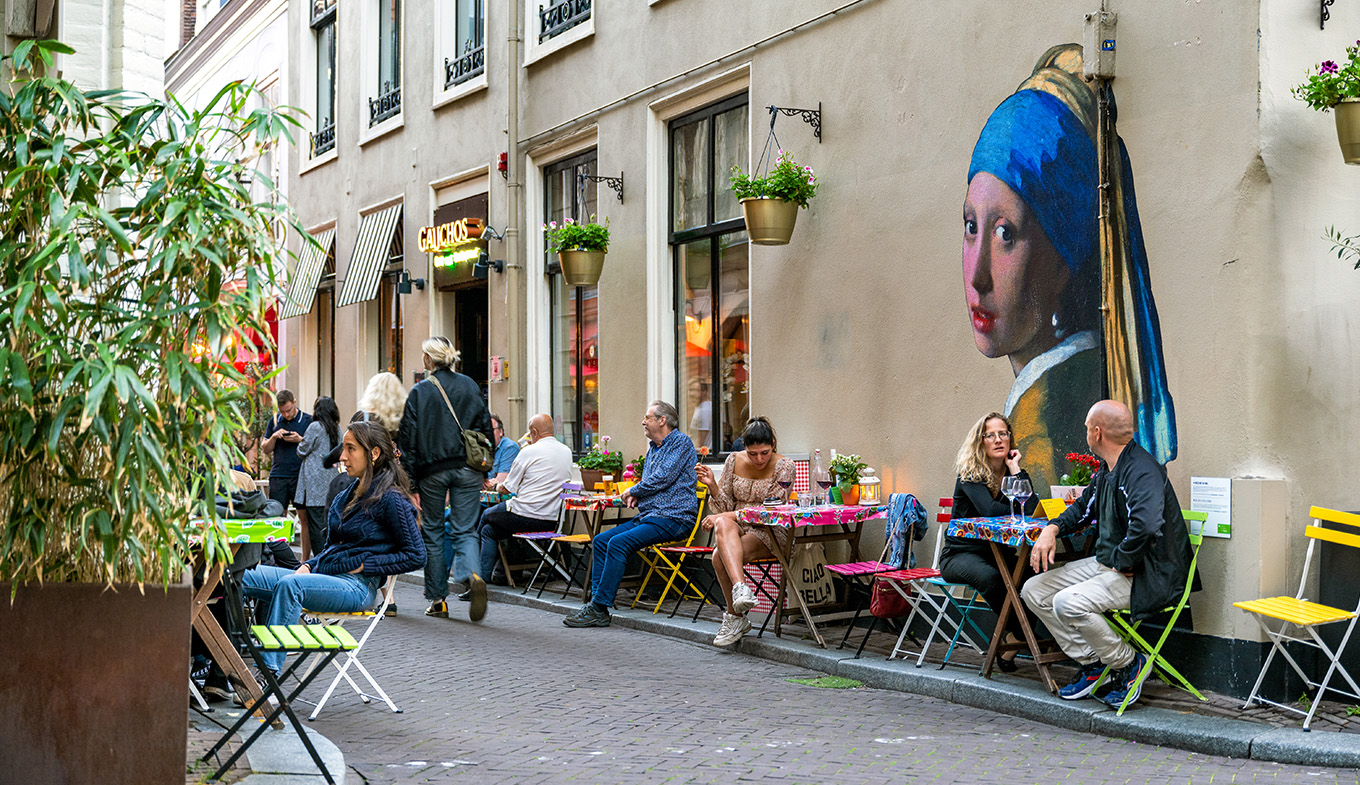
(743, 599)
(732, 630)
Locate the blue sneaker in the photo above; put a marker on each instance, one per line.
(1126, 683)
(1084, 683)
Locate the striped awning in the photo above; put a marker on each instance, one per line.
(311, 264)
(369, 259)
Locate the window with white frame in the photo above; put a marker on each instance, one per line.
(386, 102)
(709, 249)
(558, 17)
(575, 314)
(465, 32)
(323, 28)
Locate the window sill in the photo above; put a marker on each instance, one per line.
(382, 129)
(319, 161)
(536, 51)
(446, 96)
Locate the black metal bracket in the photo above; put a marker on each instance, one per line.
(812, 117)
(613, 182)
(1326, 14)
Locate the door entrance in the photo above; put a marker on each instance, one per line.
(470, 334)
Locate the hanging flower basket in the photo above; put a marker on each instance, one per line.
(581, 268)
(771, 203)
(1348, 130)
(580, 247)
(769, 221)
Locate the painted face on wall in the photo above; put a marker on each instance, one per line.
(1012, 275)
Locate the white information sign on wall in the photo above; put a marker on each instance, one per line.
(1212, 496)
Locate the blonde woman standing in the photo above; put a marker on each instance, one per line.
(431, 441)
(385, 399)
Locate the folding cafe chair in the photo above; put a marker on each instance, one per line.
(896, 552)
(666, 559)
(372, 616)
(1298, 614)
(938, 602)
(544, 543)
(1122, 621)
(304, 640)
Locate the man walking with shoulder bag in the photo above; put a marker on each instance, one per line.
(445, 413)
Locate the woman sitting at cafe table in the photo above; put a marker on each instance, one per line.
(985, 458)
(373, 535)
(750, 476)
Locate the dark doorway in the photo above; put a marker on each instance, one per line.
(470, 338)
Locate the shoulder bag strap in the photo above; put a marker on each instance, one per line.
(447, 402)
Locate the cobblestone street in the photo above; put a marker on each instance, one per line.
(520, 698)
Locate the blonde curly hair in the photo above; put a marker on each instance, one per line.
(972, 462)
(385, 399)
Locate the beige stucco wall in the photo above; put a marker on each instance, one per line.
(860, 337)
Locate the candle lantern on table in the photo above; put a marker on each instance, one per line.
(870, 488)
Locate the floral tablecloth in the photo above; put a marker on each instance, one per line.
(1003, 530)
(257, 529)
(576, 501)
(491, 497)
(787, 515)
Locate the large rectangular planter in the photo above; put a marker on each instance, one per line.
(94, 684)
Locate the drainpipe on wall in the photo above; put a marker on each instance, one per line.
(518, 364)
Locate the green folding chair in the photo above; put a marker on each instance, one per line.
(1122, 621)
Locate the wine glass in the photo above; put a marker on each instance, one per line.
(786, 483)
(1008, 490)
(823, 480)
(1023, 490)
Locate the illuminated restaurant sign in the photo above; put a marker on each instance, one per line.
(434, 239)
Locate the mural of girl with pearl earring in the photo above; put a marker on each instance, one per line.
(1037, 264)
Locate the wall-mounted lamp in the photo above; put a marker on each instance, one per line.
(405, 281)
(481, 269)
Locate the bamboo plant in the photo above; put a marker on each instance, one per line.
(134, 256)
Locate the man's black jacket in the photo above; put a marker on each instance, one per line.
(1147, 523)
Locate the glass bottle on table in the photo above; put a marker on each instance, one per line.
(821, 478)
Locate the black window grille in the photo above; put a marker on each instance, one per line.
(561, 17)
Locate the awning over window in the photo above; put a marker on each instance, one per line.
(369, 259)
(311, 264)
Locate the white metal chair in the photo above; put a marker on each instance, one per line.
(373, 616)
(1298, 614)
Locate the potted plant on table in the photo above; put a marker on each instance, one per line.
(845, 471)
(134, 258)
(1337, 86)
(1084, 466)
(598, 461)
(580, 247)
(771, 203)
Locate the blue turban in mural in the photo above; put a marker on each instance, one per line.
(1043, 152)
(1036, 146)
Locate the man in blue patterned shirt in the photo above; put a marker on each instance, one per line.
(667, 502)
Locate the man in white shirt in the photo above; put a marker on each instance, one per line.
(536, 479)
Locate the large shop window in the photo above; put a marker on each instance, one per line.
(387, 103)
(467, 34)
(575, 312)
(323, 27)
(712, 275)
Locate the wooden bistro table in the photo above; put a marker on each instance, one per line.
(239, 532)
(823, 523)
(592, 508)
(1019, 533)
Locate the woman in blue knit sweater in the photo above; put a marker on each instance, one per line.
(373, 535)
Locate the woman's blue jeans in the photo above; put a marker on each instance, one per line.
(289, 593)
(613, 547)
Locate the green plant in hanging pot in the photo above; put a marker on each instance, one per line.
(135, 259)
(771, 203)
(1336, 86)
(580, 247)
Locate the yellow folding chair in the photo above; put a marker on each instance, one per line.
(659, 560)
(1293, 614)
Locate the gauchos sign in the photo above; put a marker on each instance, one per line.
(434, 239)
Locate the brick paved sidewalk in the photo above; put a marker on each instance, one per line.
(521, 698)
